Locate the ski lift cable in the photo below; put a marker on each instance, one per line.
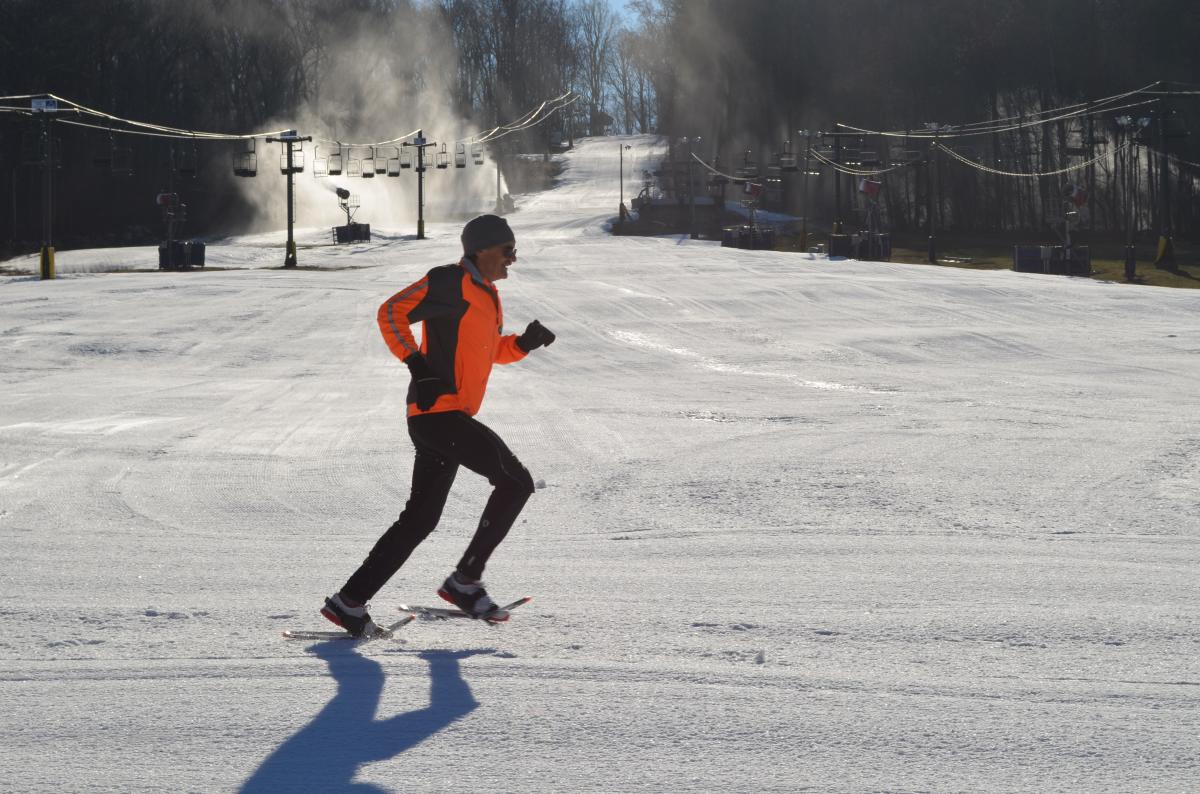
(1173, 158)
(710, 169)
(843, 168)
(393, 141)
(1025, 120)
(955, 132)
(960, 131)
(526, 117)
(1095, 111)
(219, 136)
(529, 120)
(524, 122)
(110, 130)
(836, 166)
(998, 172)
(497, 135)
(523, 119)
(533, 114)
(1085, 105)
(31, 112)
(519, 123)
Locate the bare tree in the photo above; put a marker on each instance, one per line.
(622, 69)
(597, 28)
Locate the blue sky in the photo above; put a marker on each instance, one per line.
(619, 7)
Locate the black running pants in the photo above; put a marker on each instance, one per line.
(444, 441)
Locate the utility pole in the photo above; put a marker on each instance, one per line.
(421, 144)
(837, 187)
(1130, 190)
(621, 148)
(929, 183)
(933, 178)
(693, 234)
(1166, 246)
(47, 108)
(499, 200)
(804, 190)
(1132, 128)
(420, 185)
(1091, 169)
(290, 140)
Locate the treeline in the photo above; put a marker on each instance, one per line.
(741, 75)
(747, 75)
(338, 67)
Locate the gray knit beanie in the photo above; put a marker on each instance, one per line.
(484, 232)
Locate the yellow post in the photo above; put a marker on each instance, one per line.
(47, 262)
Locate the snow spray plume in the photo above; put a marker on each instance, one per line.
(381, 77)
(727, 97)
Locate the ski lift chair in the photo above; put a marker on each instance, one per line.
(477, 153)
(335, 162)
(460, 155)
(747, 171)
(117, 160)
(406, 158)
(320, 164)
(122, 161)
(297, 162)
(442, 159)
(245, 162)
(368, 165)
(187, 163)
(388, 158)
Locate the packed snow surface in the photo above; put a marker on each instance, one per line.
(803, 525)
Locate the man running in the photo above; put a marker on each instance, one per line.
(462, 337)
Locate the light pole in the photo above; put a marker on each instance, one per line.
(1131, 126)
(804, 190)
(496, 151)
(1166, 246)
(931, 162)
(622, 149)
(290, 139)
(47, 108)
(420, 144)
(693, 234)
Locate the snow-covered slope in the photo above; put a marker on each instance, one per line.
(804, 525)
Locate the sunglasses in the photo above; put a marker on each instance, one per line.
(510, 252)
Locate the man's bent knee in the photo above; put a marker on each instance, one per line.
(519, 482)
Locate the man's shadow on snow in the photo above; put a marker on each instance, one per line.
(325, 754)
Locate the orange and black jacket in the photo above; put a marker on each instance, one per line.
(463, 333)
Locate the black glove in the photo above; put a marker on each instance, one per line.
(534, 337)
(428, 387)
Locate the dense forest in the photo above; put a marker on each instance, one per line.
(1013, 89)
